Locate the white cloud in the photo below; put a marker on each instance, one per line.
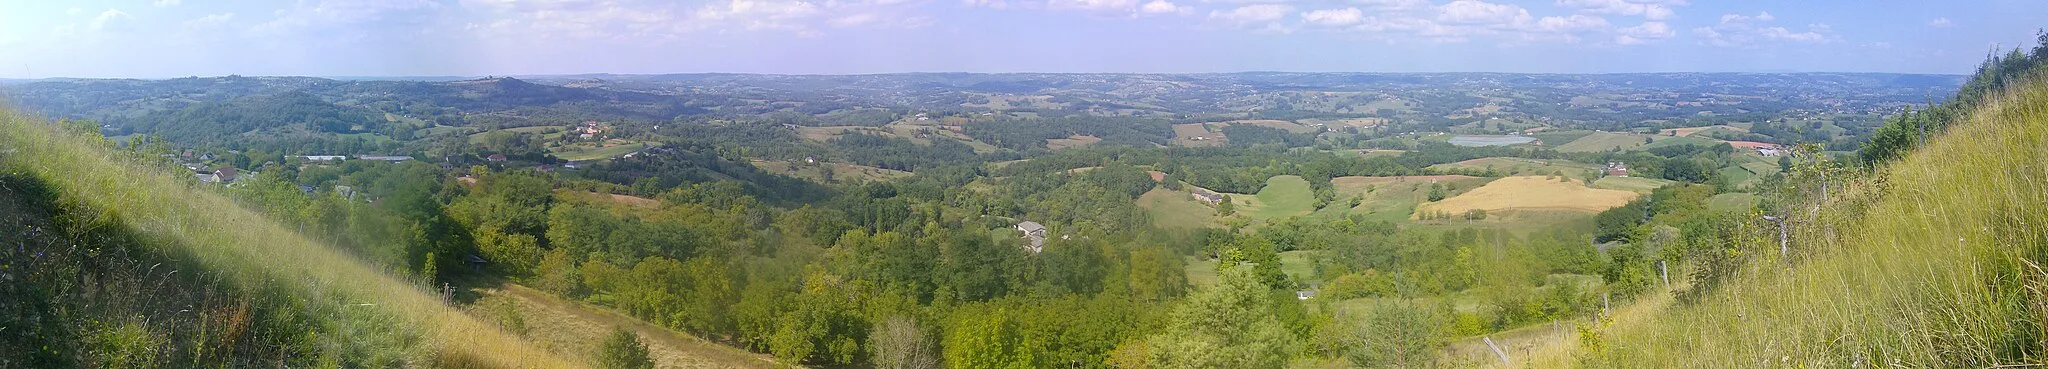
(209, 21)
(1394, 5)
(336, 17)
(1741, 31)
(73, 11)
(166, 3)
(1480, 12)
(1249, 15)
(1738, 18)
(1334, 17)
(107, 17)
(1162, 7)
(1940, 23)
(1647, 32)
(1573, 23)
(1648, 9)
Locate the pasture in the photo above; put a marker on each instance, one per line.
(1071, 142)
(1507, 166)
(829, 172)
(1177, 209)
(606, 150)
(1689, 131)
(1197, 135)
(1476, 141)
(1283, 196)
(1280, 124)
(1605, 141)
(1631, 184)
(1531, 193)
(1734, 202)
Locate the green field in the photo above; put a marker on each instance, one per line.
(1393, 199)
(1559, 138)
(580, 153)
(1504, 166)
(538, 130)
(1283, 196)
(1298, 264)
(1637, 184)
(1604, 141)
(1732, 202)
(1177, 209)
(1664, 141)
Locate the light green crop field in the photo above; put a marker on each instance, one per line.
(1283, 196)
(1506, 166)
(1636, 184)
(1734, 202)
(583, 152)
(1177, 209)
(1604, 141)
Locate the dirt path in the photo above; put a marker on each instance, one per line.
(575, 329)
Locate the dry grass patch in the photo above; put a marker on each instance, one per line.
(1531, 193)
(1071, 142)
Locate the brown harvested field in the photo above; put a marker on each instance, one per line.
(1688, 131)
(1157, 176)
(1529, 193)
(1071, 142)
(574, 329)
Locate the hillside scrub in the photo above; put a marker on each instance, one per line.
(1936, 260)
(245, 249)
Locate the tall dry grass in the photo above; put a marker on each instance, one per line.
(235, 241)
(1934, 261)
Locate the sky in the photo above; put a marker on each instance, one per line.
(178, 38)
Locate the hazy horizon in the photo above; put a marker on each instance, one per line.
(171, 38)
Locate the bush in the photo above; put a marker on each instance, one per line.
(623, 350)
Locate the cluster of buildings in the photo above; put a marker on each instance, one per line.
(1617, 169)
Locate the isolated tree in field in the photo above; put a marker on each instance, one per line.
(1229, 326)
(898, 343)
(623, 350)
(1399, 335)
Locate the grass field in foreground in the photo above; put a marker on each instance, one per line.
(244, 244)
(1943, 265)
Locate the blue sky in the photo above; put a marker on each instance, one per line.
(175, 38)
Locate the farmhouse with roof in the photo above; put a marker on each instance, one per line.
(1035, 233)
(1617, 169)
(1209, 197)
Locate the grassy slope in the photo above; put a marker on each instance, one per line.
(1283, 196)
(242, 243)
(1177, 209)
(1941, 267)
